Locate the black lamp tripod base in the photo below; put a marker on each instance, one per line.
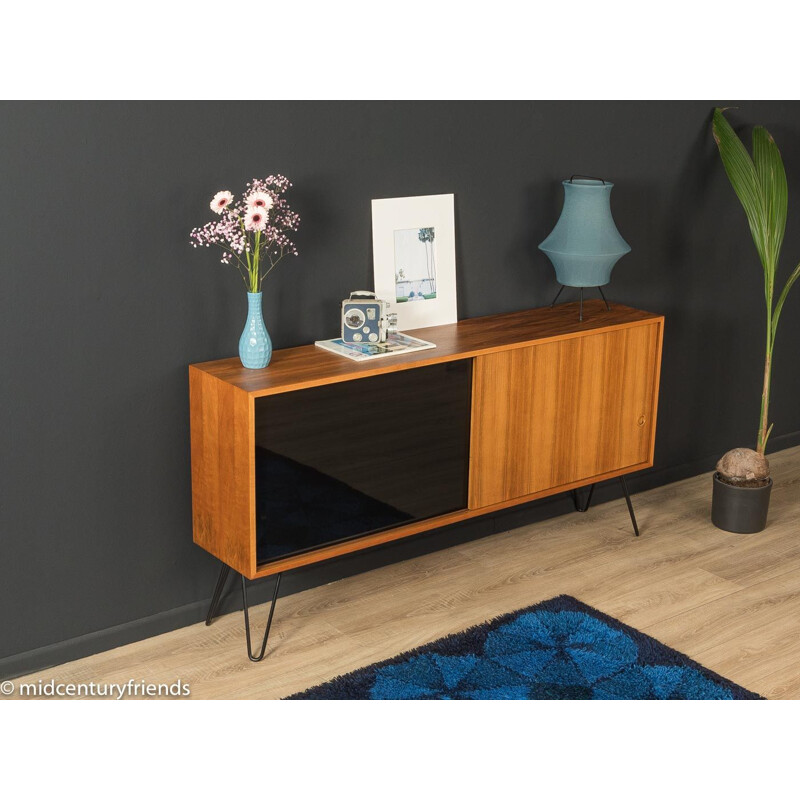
(580, 317)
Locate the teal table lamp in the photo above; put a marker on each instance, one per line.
(585, 243)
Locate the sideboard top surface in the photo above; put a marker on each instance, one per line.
(303, 367)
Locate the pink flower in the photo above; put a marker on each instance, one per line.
(221, 199)
(267, 217)
(259, 199)
(255, 219)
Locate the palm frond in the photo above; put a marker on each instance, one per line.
(742, 174)
(772, 177)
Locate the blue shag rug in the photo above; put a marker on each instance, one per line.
(560, 649)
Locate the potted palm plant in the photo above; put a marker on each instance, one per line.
(742, 482)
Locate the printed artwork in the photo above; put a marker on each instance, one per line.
(415, 264)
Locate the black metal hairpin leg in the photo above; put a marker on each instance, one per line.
(600, 289)
(580, 317)
(250, 655)
(585, 506)
(630, 505)
(557, 296)
(217, 596)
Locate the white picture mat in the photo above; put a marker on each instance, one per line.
(401, 213)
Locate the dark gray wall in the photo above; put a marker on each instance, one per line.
(104, 304)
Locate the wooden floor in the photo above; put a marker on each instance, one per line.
(731, 602)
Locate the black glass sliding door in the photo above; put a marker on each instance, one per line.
(346, 459)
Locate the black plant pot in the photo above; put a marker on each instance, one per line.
(740, 509)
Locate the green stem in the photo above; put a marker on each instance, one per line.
(764, 428)
(254, 285)
(247, 256)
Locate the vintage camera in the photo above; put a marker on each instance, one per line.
(366, 320)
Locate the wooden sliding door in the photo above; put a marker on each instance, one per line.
(564, 411)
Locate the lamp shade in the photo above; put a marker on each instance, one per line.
(585, 243)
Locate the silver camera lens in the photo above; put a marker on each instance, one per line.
(354, 318)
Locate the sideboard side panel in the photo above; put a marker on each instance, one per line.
(222, 470)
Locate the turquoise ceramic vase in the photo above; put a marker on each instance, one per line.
(585, 243)
(255, 346)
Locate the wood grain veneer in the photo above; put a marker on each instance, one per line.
(223, 470)
(563, 411)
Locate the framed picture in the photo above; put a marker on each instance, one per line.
(414, 249)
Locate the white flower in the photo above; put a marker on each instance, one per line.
(255, 219)
(259, 199)
(221, 199)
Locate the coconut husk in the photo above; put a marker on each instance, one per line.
(743, 467)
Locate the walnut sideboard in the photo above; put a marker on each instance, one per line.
(317, 456)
